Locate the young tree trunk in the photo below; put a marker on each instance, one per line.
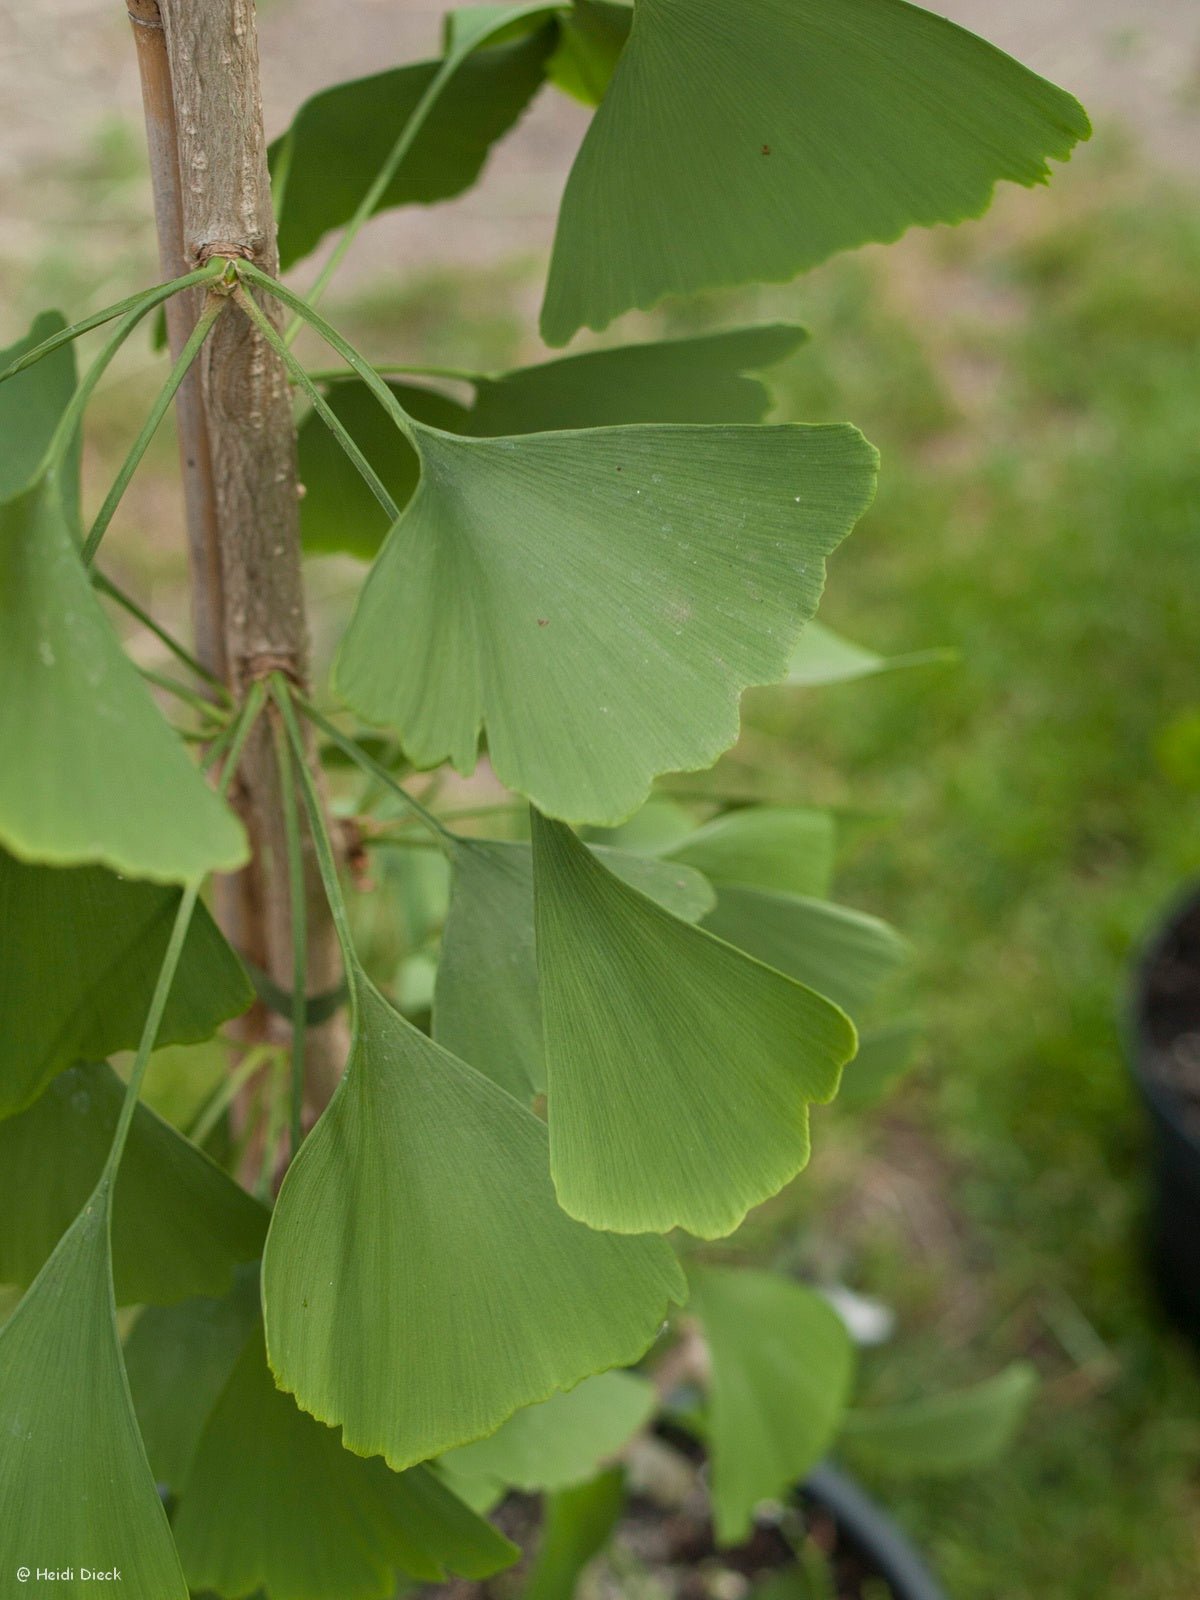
(199, 65)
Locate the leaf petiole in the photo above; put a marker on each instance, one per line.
(320, 405)
(299, 913)
(127, 603)
(359, 363)
(373, 769)
(162, 990)
(143, 301)
(283, 696)
(216, 304)
(472, 36)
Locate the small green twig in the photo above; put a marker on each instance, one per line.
(213, 309)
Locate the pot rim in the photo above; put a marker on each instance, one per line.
(870, 1529)
(1132, 1016)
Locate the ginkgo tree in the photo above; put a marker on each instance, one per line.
(349, 1342)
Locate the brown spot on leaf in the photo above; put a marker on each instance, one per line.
(543, 622)
(766, 149)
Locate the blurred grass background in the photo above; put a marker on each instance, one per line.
(1034, 384)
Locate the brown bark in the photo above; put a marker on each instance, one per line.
(181, 313)
(213, 198)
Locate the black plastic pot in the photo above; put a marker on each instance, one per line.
(1165, 1005)
(867, 1530)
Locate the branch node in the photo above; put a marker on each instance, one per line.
(259, 667)
(144, 13)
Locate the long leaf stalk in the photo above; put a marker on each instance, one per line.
(296, 891)
(373, 769)
(162, 990)
(352, 357)
(143, 301)
(181, 653)
(213, 309)
(319, 403)
(322, 844)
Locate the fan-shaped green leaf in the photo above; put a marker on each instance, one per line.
(577, 1524)
(273, 1501)
(561, 1442)
(91, 771)
(745, 144)
(823, 656)
(678, 380)
(338, 511)
(597, 600)
(843, 954)
(946, 1433)
(178, 1359)
(84, 948)
(75, 1490)
(700, 380)
(782, 1366)
(679, 1070)
(787, 849)
(417, 1227)
(326, 161)
(31, 405)
(592, 36)
(486, 1008)
(179, 1224)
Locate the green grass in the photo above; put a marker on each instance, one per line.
(1034, 385)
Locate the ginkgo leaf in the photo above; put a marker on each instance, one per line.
(701, 380)
(597, 600)
(180, 1225)
(178, 1359)
(677, 380)
(273, 1502)
(91, 771)
(786, 849)
(561, 1442)
(417, 1227)
(823, 656)
(485, 1006)
(679, 1070)
(782, 1366)
(31, 405)
(745, 144)
(84, 948)
(843, 954)
(592, 35)
(325, 162)
(75, 1488)
(942, 1433)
